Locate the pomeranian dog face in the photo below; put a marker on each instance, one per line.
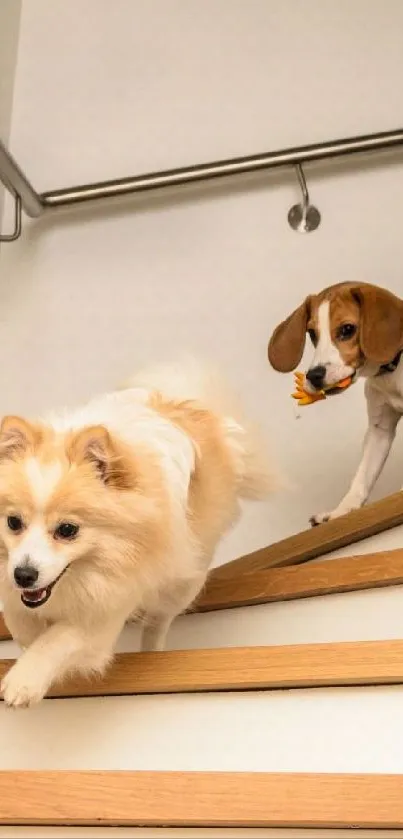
(64, 498)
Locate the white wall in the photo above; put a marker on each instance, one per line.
(103, 91)
(9, 27)
(107, 90)
(10, 11)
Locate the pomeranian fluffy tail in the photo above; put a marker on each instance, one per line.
(191, 381)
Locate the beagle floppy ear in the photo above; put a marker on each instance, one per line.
(286, 345)
(381, 327)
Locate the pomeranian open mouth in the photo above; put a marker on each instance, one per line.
(34, 597)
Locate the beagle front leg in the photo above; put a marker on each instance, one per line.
(381, 431)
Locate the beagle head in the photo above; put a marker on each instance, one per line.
(354, 328)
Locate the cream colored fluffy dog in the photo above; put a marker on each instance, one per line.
(114, 511)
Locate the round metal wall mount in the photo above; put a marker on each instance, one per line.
(303, 217)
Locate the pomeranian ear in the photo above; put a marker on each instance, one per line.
(108, 456)
(17, 436)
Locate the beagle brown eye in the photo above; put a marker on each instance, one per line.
(313, 336)
(346, 331)
(66, 530)
(15, 523)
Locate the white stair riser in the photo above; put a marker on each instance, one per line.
(322, 730)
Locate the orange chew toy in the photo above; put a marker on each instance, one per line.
(306, 398)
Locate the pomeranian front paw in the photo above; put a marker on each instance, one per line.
(21, 688)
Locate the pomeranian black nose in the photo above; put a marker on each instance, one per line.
(25, 576)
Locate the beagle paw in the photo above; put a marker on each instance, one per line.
(320, 518)
(343, 509)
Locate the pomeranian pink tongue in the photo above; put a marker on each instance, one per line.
(34, 596)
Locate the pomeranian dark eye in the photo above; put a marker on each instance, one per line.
(66, 530)
(15, 523)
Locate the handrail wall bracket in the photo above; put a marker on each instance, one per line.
(303, 217)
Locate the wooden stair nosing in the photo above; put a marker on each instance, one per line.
(353, 573)
(201, 799)
(335, 576)
(318, 541)
(242, 669)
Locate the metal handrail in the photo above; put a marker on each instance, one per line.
(36, 204)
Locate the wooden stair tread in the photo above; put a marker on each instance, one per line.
(243, 669)
(201, 799)
(354, 573)
(318, 541)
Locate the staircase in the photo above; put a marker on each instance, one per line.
(276, 720)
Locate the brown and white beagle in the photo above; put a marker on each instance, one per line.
(356, 330)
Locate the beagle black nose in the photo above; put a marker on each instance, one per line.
(316, 376)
